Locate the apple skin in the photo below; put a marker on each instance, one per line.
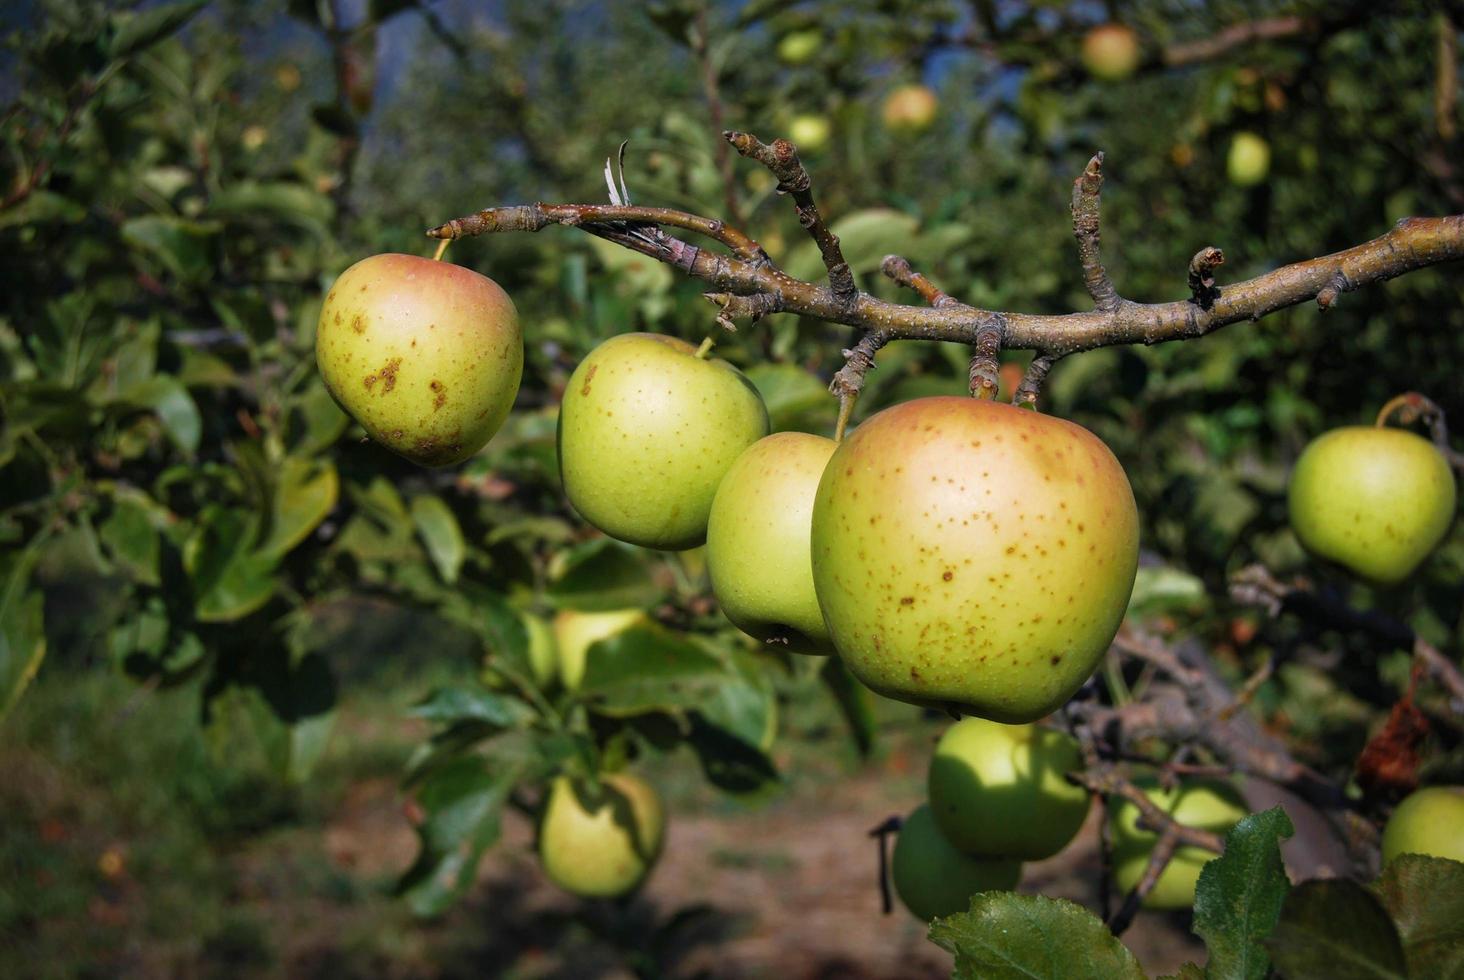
(575, 632)
(1428, 821)
(1249, 160)
(646, 432)
(910, 109)
(998, 790)
(799, 47)
(934, 879)
(758, 550)
(426, 355)
(1208, 805)
(809, 132)
(604, 849)
(973, 554)
(1111, 52)
(1376, 500)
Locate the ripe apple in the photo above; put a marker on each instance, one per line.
(646, 431)
(799, 47)
(1374, 499)
(1209, 805)
(934, 879)
(809, 132)
(601, 845)
(575, 632)
(998, 790)
(1249, 160)
(1111, 52)
(1428, 821)
(909, 109)
(972, 554)
(758, 551)
(426, 355)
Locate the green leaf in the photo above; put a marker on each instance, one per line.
(450, 705)
(274, 202)
(1425, 896)
(791, 394)
(133, 32)
(1240, 894)
(855, 701)
(440, 534)
(42, 207)
(22, 632)
(305, 492)
(283, 702)
(1187, 972)
(183, 247)
(314, 421)
(1030, 937)
(1161, 589)
(865, 237)
(730, 763)
(646, 669)
(229, 579)
(167, 398)
(1338, 930)
(602, 575)
(132, 540)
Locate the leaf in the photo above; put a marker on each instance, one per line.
(1030, 937)
(730, 763)
(229, 580)
(132, 540)
(865, 237)
(1337, 930)
(602, 575)
(314, 421)
(441, 535)
(183, 247)
(790, 393)
(1162, 589)
(1425, 896)
(22, 632)
(646, 669)
(136, 31)
(167, 398)
(42, 207)
(1239, 897)
(274, 202)
(1187, 972)
(449, 705)
(305, 492)
(285, 701)
(855, 701)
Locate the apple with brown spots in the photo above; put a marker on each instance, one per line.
(973, 555)
(426, 355)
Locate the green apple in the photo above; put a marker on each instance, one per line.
(1428, 821)
(1376, 500)
(1209, 805)
(575, 632)
(542, 651)
(810, 132)
(1111, 52)
(601, 845)
(647, 429)
(999, 790)
(1249, 160)
(799, 47)
(909, 109)
(973, 555)
(934, 879)
(426, 355)
(758, 541)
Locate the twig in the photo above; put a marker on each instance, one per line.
(1237, 35)
(701, 47)
(903, 274)
(1086, 192)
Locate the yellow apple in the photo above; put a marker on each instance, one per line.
(799, 47)
(934, 879)
(1428, 821)
(1249, 160)
(909, 109)
(1111, 52)
(810, 132)
(601, 845)
(1209, 805)
(575, 632)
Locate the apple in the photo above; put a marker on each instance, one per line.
(647, 429)
(426, 355)
(934, 879)
(909, 109)
(758, 551)
(973, 555)
(543, 656)
(809, 132)
(601, 845)
(1111, 52)
(1249, 160)
(575, 632)
(1376, 500)
(1209, 805)
(1428, 821)
(799, 47)
(999, 790)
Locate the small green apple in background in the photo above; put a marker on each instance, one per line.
(575, 632)
(934, 879)
(601, 845)
(758, 550)
(1111, 52)
(426, 355)
(973, 554)
(810, 132)
(909, 109)
(999, 790)
(647, 429)
(1209, 805)
(1428, 821)
(1376, 500)
(799, 47)
(1249, 160)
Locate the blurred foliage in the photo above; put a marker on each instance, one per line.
(182, 502)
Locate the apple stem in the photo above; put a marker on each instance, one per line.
(846, 408)
(441, 249)
(705, 348)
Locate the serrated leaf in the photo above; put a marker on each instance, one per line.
(135, 31)
(602, 575)
(1239, 897)
(1338, 930)
(22, 632)
(441, 535)
(1425, 896)
(646, 669)
(306, 491)
(1031, 937)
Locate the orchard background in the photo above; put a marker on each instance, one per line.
(242, 650)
